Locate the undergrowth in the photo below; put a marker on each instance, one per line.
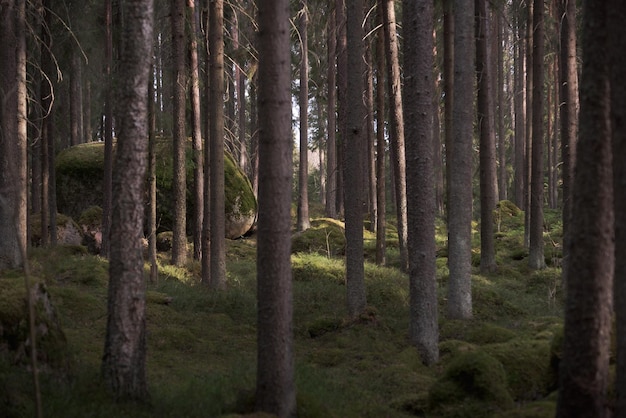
(202, 344)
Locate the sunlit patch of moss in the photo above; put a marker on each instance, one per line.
(325, 236)
(314, 267)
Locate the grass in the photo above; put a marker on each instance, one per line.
(202, 345)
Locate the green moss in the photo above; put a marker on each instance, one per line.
(475, 332)
(325, 236)
(92, 216)
(472, 379)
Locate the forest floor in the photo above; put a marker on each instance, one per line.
(202, 350)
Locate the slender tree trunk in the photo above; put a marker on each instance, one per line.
(342, 104)
(487, 151)
(501, 39)
(418, 105)
(530, 35)
(584, 367)
(569, 112)
(370, 153)
(206, 219)
(303, 222)
(152, 189)
(179, 182)
(536, 258)
(460, 181)
(196, 133)
(520, 110)
(353, 146)
(381, 193)
(275, 391)
(124, 359)
(108, 130)
(397, 125)
(45, 93)
(216, 116)
(331, 143)
(448, 89)
(76, 100)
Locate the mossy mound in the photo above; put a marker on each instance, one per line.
(475, 332)
(80, 173)
(68, 231)
(474, 384)
(326, 236)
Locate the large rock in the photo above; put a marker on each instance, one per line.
(80, 171)
(68, 231)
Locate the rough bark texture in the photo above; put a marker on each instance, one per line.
(331, 140)
(10, 216)
(179, 238)
(568, 109)
(381, 195)
(396, 124)
(123, 363)
(617, 42)
(520, 112)
(275, 392)
(303, 222)
(419, 89)
(448, 90)
(216, 137)
(196, 133)
(487, 147)
(535, 257)
(584, 370)
(108, 131)
(353, 173)
(342, 104)
(460, 180)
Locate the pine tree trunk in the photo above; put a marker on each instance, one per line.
(418, 105)
(108, 131)
(448, 90)
(353, 146)
(381, 152)
(584, 367)
(397, 125)
(520, 111)
(460, 182)
(275, 390)
(124, 359)
(216, 117)
(303, 222)
(536, 258)
(331, 143)
(487, 147)
(179, 185)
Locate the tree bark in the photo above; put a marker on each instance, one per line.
(397, 125)
(216, 117)
(353, 173)
(460, 198)
(448, 90)
(275, 391)
(487, 147)
(536, 258)
(331, 143)
(123, 362)
(303, 222)
(196, 133)
(520, 110)
(584, 367)
(108, 130)
(418, 105)
(381, 194)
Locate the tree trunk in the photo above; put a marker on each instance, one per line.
(342, 104)
(275, 391)
(381, 193)
(487, 148)
(124, 359)
(196, 133)
(616, 42)
(331, 143)
(460, 182)
(353, 174)
(535, 258)
(418, 105)
(370, 153)
(501, 40)
(397, 125)
(76, 98)
(152, 189)
(11, 221)
(108, 131)
(303, 222)
(520, 110)
(448, 90)
(206, 219)
(179, 185)
(584, 367)
(216, 117)
(569, 111)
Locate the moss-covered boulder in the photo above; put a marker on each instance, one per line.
(80, 173)
(474, 384)
(68, 231)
